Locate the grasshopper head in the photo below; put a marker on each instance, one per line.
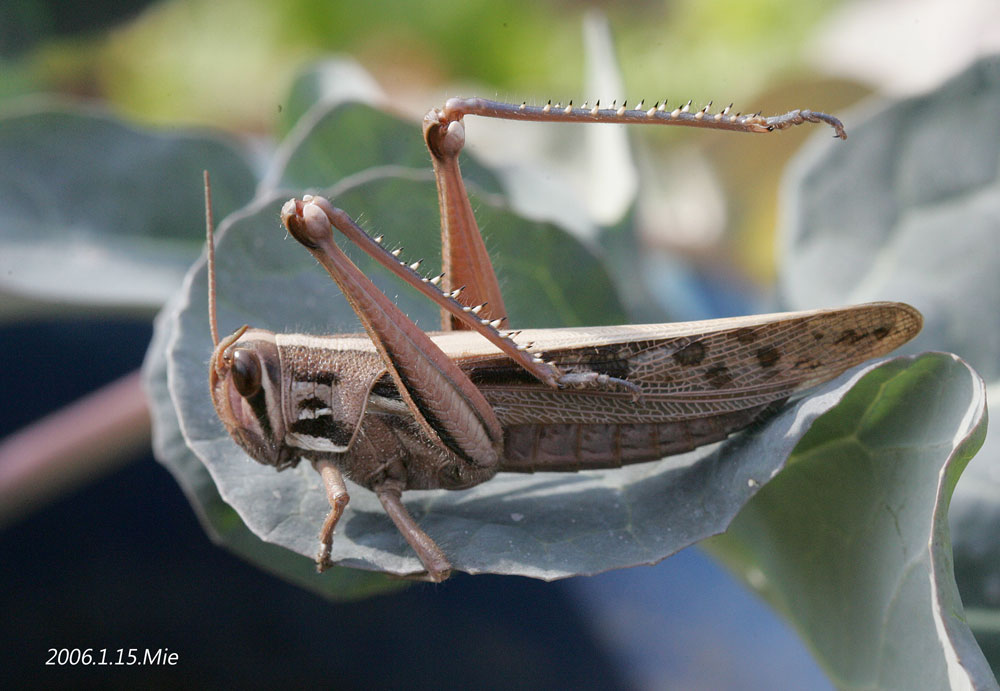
(244, 376)
(245, 381)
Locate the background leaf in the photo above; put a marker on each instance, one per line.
(323, 85)
(337, 140)
(910, 207)
(95, 212)
(911, 200)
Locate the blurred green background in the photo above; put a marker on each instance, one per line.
(228, 64)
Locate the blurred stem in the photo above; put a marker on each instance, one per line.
(89, 437)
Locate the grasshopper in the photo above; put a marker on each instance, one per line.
(397, 408)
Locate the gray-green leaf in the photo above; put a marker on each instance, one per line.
(850, 542)
(909, 207)
(96, 213)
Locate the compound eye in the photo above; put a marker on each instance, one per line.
(246, 372)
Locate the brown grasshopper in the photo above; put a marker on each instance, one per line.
(397, 408)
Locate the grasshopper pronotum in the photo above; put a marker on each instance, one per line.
(397, 408)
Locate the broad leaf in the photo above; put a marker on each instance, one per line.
(909, 207)
(95, 212)
(850, 541)
(323, 85)
(345, 139)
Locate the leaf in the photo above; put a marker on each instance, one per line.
(94, 212)
(347, 138)
(909, 208)
(975, 522)
(850, 542)
(324, 85)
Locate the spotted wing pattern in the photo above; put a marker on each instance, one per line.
(698, 369)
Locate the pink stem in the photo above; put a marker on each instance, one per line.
(89, 436)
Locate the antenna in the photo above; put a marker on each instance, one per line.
(209, 234)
